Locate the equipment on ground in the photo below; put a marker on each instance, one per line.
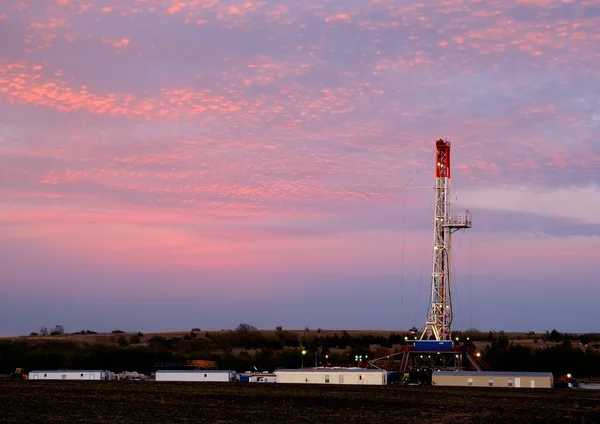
(201, 364)
(18, 375)
(566, 381)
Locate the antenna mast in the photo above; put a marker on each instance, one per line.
(439, 321)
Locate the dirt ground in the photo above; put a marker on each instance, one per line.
(158, 402)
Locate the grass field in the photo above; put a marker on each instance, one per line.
(153, 402)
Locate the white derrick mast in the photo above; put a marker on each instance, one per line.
(439, 321)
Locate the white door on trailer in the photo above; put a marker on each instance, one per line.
(517, 382)
(532, 384)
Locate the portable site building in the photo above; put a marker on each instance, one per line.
(533, 380)
(196, 375)
(263, 378)
(333, 376)
(69, 375)
(257, 378)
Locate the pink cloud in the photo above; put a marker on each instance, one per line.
(176, 7)
(344, 17)
(119, 43)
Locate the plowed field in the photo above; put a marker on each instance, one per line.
(154, 402)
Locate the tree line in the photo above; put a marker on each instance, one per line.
(568, 357)
(246, 347)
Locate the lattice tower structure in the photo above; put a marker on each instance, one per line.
(439, 321)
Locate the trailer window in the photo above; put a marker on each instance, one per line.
(82, 374)
(470, 382)
(511, 382)
(491, 382)
(326, 379)
(205, 375)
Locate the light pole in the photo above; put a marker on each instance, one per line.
(303, 353)
(358, 359)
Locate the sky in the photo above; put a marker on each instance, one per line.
(202, 163)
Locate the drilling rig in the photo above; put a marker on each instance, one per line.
(435, 349)
(439, 321)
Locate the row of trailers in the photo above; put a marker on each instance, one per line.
(347, 376)
(366, 376)
(313, 375)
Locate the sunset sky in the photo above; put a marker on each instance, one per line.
(200, 163)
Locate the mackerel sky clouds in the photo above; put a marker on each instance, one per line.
(169, 164)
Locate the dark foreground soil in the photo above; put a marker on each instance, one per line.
(153, 402)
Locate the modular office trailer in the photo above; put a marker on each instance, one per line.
(195, 375)
(532, 380)
(68, 375)
(257, 378)
(333, 376)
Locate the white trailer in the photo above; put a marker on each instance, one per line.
(196, 375)
(263, 378)
(358, 376)
(69, 375)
